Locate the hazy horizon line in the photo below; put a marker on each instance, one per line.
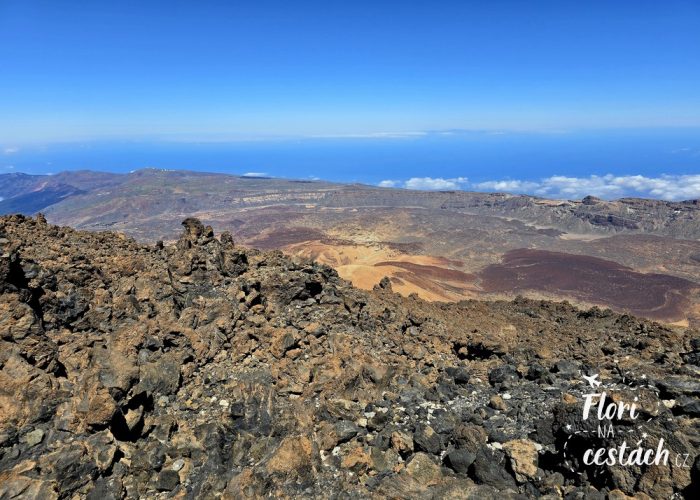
(236, 137)
(609, 187)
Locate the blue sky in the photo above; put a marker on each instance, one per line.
(86, 73)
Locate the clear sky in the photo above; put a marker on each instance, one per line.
(577, 88)
(76, 69)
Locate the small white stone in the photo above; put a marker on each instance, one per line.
(178, 464)
(223, 403)
(506, 396)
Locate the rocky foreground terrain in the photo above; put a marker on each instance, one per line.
(203, 370)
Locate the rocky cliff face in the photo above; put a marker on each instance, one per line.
(202, 370)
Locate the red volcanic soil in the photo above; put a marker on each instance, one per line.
(433, 272)
(590, 279)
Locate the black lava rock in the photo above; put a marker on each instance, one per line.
(458, 373)
(536, 372)
(426, 439)
(167, 480)
(487, 469)
(567, 369)
(504, 374)
(460, 460)
(687, 406)
(346, 430)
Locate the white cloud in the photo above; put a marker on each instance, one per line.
(693, 152)
(509, 186)
(10, 151)
(373, 135)
(255, 174)
(433, 183)
(665, 187)
(389, 183)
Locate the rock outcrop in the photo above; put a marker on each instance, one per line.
(202, 369)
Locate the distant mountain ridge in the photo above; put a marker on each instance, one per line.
(442, 245)
(34, 193)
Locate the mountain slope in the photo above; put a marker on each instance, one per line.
(203, 369)
(33, 201)
(441, 245)
(218, 191)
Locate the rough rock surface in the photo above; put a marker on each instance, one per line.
(203, 370)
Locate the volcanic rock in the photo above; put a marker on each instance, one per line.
(460, 460)
(426, 439)
(523, 458)
(424, 470)
(203, 370)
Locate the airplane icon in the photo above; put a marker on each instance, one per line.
(593, 380)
